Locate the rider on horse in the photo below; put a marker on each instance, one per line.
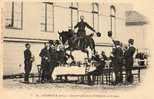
(81, 32)
(81, 27)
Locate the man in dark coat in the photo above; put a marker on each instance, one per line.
(100, 64)
(129, 53)
(45, 62)
(52, 52)
(117, 62)
(81, 27)
(81, 32)
(28, 62)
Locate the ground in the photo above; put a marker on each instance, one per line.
(69, 89)
(66, 89)
(16, 83)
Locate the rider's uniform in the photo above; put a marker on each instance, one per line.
(81, 30)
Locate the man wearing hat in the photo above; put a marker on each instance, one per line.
(117, 62)
(81, 32)
(45, 62)
(52, 52)
(28, 62)
(129, 53)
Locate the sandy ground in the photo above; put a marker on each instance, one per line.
(67, 89)
(16, 84)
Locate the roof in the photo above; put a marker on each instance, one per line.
(135, 18)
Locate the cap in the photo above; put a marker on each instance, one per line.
(81, 17)
(27, 44)
(57, 42)
(117, 42)
(131, 41)
(50, 41)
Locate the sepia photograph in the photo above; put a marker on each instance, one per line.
(74, 49)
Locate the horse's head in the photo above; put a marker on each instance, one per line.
(65, 35)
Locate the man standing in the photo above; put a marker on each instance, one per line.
(129, 53)
(52, 53)
(117, 62)
(45, 62)
(81, 32)
(28, 62)
(81, 27)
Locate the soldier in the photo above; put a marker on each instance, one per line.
(129, 53)
(45, 62)
(28, 62)
(52, 52)
(81, 27)
(117, 62)
(81, 32)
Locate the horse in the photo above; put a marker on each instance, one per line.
(77, 43)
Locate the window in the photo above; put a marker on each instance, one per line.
(74, 14)
(47, 18)
(95, 16)
(14, 15)
(113, 19)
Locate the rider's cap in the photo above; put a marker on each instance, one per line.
(81, 17)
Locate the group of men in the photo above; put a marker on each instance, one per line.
(51, 56)
(123, 58)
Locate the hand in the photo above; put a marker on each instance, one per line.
(32, 59)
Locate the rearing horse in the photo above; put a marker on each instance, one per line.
(77, 43)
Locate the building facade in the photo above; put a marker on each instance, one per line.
(38, 22)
